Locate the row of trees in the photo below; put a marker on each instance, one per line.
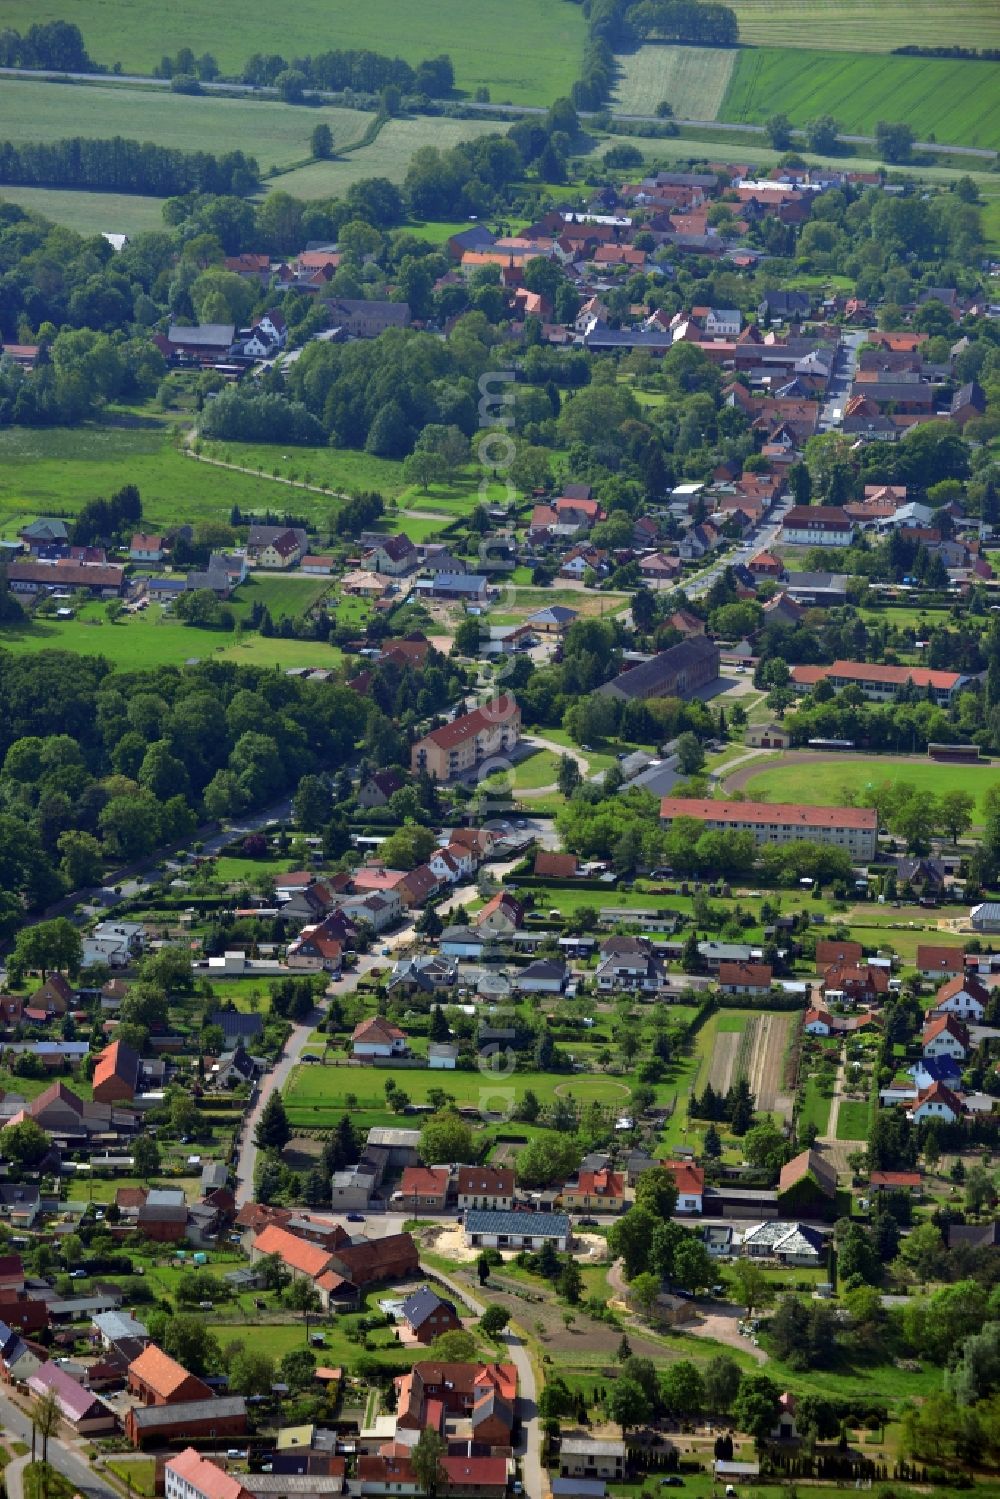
(359, 70)
(126, 166)
(55, 45)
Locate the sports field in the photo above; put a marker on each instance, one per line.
(525, 51)
(858, 26)
(958, 101)
(693, 80)
(840, 782)
(388, 155)
(275, 133)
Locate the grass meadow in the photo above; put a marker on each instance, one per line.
(316, 1096)
(276, 134)
(827, 783)
(693, 79)
(55, 471)
(529, 54)
(388, 155)
(89, 213)
(956, 100)
(857, 26)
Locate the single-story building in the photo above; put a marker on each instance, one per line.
(486, 1229)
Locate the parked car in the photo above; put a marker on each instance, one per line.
(355, 1217)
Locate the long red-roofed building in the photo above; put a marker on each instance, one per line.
(852, 828)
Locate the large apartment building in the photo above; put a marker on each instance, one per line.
(459, 746)
(852, 828)
(817, 526)
(882, 684)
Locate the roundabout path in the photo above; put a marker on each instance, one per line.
(787, 758)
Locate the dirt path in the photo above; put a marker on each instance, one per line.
(830, 1138)
(766, 1063)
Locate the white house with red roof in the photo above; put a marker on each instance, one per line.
(377, 1037)
(964, 996)
(944, 1036)
(690, 1183)
(191, 1476)
(937, 1102)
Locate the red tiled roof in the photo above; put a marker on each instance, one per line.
(159, 1372)
(490, 716)
(307, 1258)
(704, 810)
(688, 1179)
(946, 959)
(962, 984)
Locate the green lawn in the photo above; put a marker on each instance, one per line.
(344, 469)
(388, 155)
(276, 134)
(815, 1105)
(532, 57)
(540, 769)
(139, 1473)
(316, 1095)
(89, 213)
(840, 782)
(852, 1120)
(957, 101)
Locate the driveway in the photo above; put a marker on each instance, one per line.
(529, 1448)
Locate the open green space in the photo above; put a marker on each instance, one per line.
(815, 1109)
(316, 1096)
(276, 134)
(388, 155)
(138, 1473)
(852, 1120)
(857, 26)
(89, 213)
(157, 638)
(540, 769)
(955, 100)
(841, 782)
(55, 471)
(692, 79)
(531, 55)
(338, 469)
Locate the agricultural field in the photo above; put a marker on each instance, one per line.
(89, 213)
(856, 26)
(955, 100)
(531, 56)
(276, 134)
(833, 782)
(693, 80)
(734, 1044)
(388, 155)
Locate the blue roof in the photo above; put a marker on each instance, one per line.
(939, 1069)
(537, 1225)
(455, 582)
(578, 1488)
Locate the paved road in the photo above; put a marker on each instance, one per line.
(64, 1458)
(841, 378)
(739, 126)
(529, 1449)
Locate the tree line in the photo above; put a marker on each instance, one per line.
(686, 21)
(359, 70)
(50, 45)
(126, 166)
